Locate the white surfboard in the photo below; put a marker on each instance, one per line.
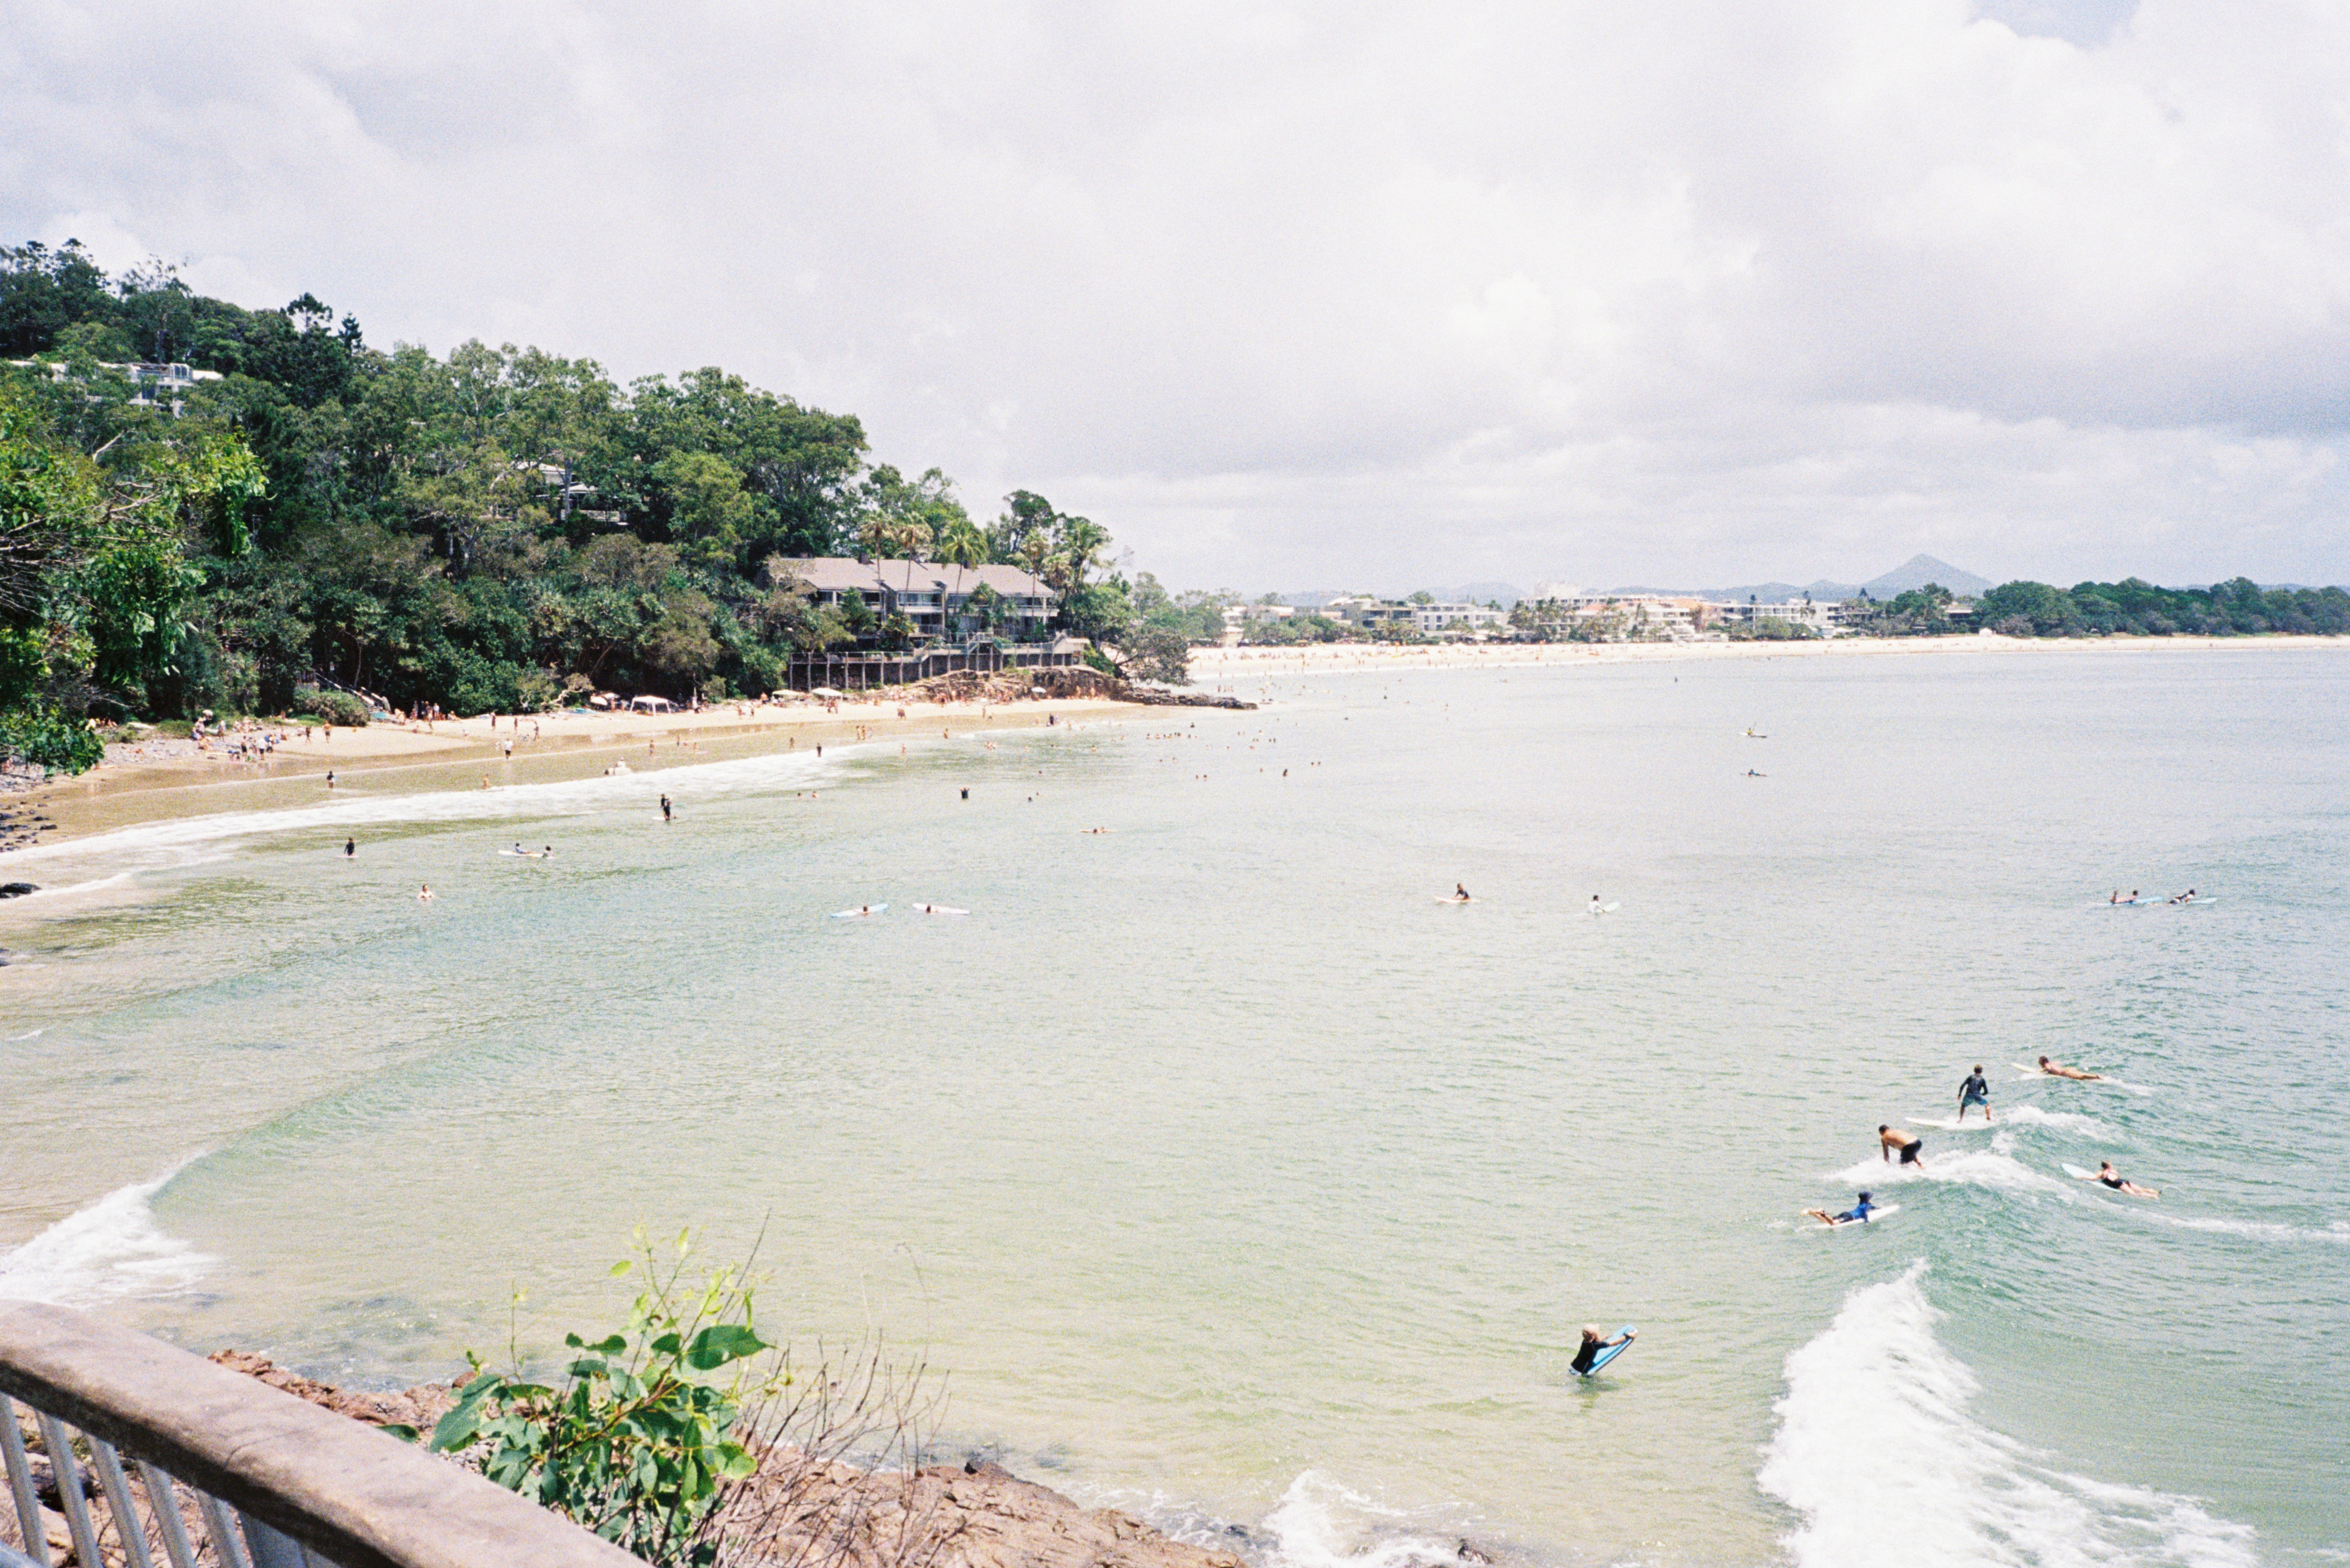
(938, 910)
(1952, 1124)
(2077, 1173)
(859, 914)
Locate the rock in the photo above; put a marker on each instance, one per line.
(419, 1407)
(17, 889)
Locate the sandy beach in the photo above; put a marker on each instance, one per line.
(161, 777)
(168, 778)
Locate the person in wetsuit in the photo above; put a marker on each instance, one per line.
(1858, 1213)
(665, 816)
(1593, 1345)
(1975, 1091)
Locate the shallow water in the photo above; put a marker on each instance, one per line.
(1228, 1175)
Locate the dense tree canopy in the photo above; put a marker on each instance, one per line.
(483, 531)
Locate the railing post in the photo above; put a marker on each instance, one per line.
(20, 1483)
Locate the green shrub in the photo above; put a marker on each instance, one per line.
(332, 707)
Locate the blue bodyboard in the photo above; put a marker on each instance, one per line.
(1610, 1353)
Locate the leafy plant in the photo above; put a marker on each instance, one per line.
(639, 1438)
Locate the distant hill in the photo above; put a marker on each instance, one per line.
(1914, 572)
(1917, 571)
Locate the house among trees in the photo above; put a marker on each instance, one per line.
(939, 601)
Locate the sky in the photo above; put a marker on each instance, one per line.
(1387, 296)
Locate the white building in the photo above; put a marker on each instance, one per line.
(152, 386)
(1435, 618)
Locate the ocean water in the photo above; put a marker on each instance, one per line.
(1224, 1173)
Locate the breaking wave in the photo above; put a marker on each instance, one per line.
(110, 1250)
(1877, 1454)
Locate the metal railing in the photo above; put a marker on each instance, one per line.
(230, 1472)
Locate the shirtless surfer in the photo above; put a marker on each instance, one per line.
(1856, 1214)
(2108, 1177)
(2058, 1070)
(1912, 1150)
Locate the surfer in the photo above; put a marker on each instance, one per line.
(2186, 898)
(350, 848)
(1753, 774)
(1459, 894)
(1912, 1150)
(665, 809)
(1975, 1091)
(2107, 1175)
(2058, 1070)
(1596, 908)
(1858, 1214)
(2117, 898)
(1593, 1345)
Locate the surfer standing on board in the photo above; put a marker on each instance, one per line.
(1593, 1345)
(1912, 1150)
(2058, 1070)
(1975, 1091)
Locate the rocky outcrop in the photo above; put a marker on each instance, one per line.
(797, 1511)
(1067, 681)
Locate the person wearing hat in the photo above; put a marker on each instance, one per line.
(1858, 1212)
(1593, 1345)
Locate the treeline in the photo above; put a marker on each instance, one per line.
(2240, 608)
(490, 530)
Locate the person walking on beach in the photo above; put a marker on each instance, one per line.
(350, 848)
(666, 816)
(1911, 1149)
(1975, 1091)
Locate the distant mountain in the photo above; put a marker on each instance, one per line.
(1487, 593)
(1917, 571)
(1914, 572)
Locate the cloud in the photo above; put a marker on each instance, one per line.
(1384, 292)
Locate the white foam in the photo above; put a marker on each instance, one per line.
(1876, 1453)
(1319, 1524)
(2260, 1230)
(108, 1250)
(2068, 1121)
(1993, 1168)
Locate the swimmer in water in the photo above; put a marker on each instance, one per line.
(1855, 1215)
(2108, 1177)
(424, 893)
(1596, 906)
(1911, 1149)
(1586, 1352)
(2058, 1070)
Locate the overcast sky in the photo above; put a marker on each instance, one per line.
(1687, 292)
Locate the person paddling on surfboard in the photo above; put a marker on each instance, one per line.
(1912, 1150)
(2058, 1070)
(1459, 894)
(1975, 1091)
(2107, 1175)
(1858, 1214)
(1593, 1345)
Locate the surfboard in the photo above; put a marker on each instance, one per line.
(938, 910)
(1876, 1212)
(2077, 1173)
(1608, 1354)
(1952, 1124)
(1456, 900)
(859, 914)
(1605, 909)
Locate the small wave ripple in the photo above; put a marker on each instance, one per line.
(108, 1250)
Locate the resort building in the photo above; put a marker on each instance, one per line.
(152, 385)
(1439, 618)
(937, 598)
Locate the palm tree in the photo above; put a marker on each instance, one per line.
(959, 543)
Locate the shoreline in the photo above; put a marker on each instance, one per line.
(136, 786)
(1213, 664)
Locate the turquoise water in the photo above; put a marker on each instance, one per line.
(1226, 1174)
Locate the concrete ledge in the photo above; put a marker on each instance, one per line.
(354, 1495)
